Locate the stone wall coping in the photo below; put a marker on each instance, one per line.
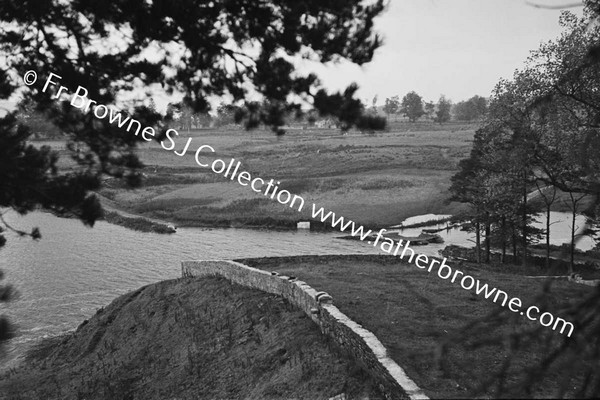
(380, 352)
(367, 337)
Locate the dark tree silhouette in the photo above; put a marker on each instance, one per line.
(430, 109)
(412, 106)
(197, 48)
(392, 105)
(470, 110)
(443, 110)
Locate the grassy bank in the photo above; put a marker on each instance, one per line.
(193, 339)
(137, 223)
(412, 312)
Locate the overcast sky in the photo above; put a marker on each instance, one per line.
(458, 48)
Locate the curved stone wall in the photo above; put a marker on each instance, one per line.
(350, 336)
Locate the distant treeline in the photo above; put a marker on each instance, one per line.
(183, 117)
(413, 107)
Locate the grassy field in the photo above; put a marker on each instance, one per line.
(412, 312)
(377, 179)
(374, 179)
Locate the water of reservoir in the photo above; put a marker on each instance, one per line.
(65, 277)
(560, 231)
(74, 270)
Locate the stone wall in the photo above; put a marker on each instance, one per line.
(360, 343)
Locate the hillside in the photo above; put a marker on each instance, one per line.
(190, 338)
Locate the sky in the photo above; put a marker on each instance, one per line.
(458, 48)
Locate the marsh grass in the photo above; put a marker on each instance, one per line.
(168, 205)
(136, 223)
(388, 183)
(180, 179)
(297, 186)
(372, 179)
(255, 212)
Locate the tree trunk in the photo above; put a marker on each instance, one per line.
(572, 262)
(503, 230)
(487, 241)
(478, 242)
(514, 244)
(524, 222)
(547, 236)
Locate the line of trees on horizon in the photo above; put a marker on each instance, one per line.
(184, 116)
(227, 114)
(413, 107)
